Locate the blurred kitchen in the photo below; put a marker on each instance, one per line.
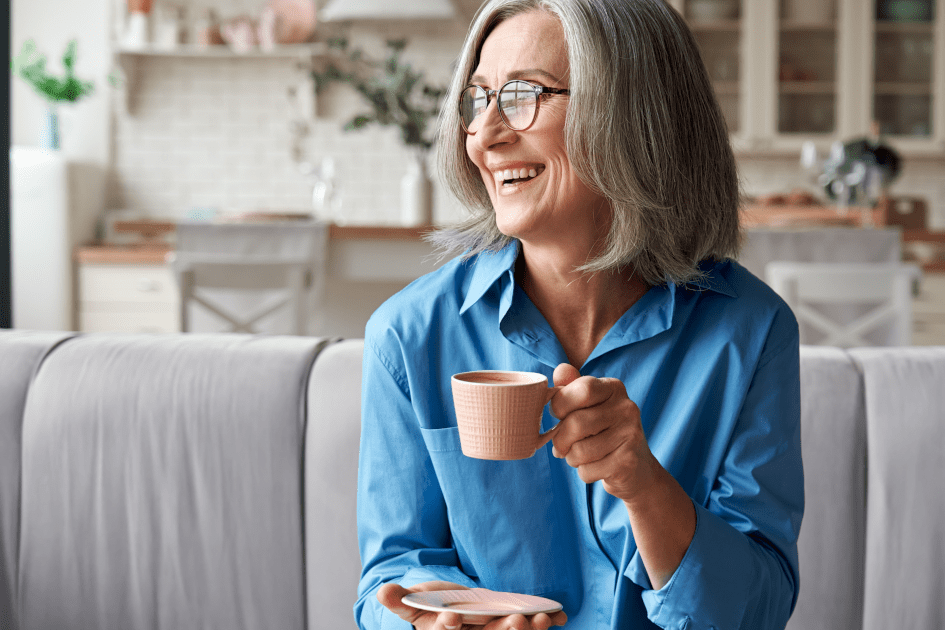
(245, 113)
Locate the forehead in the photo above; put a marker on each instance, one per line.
(532, 40)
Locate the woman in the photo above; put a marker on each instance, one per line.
(585, 138)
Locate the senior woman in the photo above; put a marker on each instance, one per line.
(585, 139)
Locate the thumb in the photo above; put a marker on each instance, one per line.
(565, 374)
(390, 595)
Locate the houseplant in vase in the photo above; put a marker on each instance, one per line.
(398, 96)
(30, 65)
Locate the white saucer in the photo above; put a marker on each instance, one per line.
(481, 603)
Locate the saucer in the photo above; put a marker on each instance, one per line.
(478, 605)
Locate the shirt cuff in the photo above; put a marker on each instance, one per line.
(712, 583)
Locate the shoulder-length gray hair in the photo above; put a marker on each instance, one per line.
(643, 128)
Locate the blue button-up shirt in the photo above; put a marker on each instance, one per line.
(714, 369)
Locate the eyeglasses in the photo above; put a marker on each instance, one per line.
(518, 104)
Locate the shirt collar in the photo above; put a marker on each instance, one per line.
(490, 266)
(713, 278)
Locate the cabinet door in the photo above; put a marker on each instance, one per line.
(807, 63)
(907, 38)
(717, 27)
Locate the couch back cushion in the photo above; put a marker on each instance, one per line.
(21, 353)
(905, 545)
(332, 562)
(161, 484)
(831, 542)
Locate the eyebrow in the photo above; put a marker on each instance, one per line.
(520, 74)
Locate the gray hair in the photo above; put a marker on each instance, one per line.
(643, 129)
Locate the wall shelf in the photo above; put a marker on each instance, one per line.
(129, 60)
(294, 51)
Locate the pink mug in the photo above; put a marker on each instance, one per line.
(499, 412)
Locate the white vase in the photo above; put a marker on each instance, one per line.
(416, 192)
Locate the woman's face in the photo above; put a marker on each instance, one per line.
(555, 204)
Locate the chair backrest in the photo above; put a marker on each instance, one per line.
(245, 273)
(848, 305)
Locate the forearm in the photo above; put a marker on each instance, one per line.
(663, 523)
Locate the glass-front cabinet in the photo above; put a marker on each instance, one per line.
(787, 71)
(807, 67)
(902, 68)
(717, 26)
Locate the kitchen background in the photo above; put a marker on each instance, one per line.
(219, 132)
(192, 135)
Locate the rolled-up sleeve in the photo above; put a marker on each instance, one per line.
(403, 533)
(741, 569)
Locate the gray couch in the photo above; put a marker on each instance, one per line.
(208, 481)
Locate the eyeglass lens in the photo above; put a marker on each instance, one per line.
(517, 102)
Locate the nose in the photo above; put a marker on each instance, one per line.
(492, 131)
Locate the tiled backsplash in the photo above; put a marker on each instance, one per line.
(218, 133)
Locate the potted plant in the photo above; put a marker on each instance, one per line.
(398, 96)
(30, 64)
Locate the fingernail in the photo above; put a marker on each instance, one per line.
(452, 627)
(554, 451)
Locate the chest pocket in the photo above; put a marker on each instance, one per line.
(508, 527)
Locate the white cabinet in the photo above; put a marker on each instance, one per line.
(54, 204)
(787, 71)
(128, 298)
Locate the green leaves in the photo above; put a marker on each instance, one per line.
(30, 64)
(393, 89)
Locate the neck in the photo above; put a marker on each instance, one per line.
(579, 307)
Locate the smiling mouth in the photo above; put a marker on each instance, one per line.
(511, 177)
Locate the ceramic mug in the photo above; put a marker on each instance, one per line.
(499, 413)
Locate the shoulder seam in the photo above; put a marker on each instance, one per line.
(393, 371)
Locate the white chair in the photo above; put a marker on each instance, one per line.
(848, 305)
(245, 273)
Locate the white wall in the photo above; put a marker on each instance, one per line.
(52, 23)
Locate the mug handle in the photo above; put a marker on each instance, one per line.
(550, 433)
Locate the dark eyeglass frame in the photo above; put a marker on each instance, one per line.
(491, 95)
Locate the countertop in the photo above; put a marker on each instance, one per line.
(155, 252)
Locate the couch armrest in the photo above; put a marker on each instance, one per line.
(332, 440)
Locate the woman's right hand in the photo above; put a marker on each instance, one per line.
(390, 595)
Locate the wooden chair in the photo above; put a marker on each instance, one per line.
(822, 294)
(244, 274)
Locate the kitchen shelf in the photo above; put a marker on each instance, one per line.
(130, 59)
(904, 28)
(800, 27)
(808, 87)
(225, 52)
(903, 88)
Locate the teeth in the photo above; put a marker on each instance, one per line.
(515, 173)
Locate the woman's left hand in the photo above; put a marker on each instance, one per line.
(600, 434)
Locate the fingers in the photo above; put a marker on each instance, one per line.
(390, 596)
(583, 392)
(564, 374)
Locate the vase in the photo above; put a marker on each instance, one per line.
(416, 192)
(49, 136)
